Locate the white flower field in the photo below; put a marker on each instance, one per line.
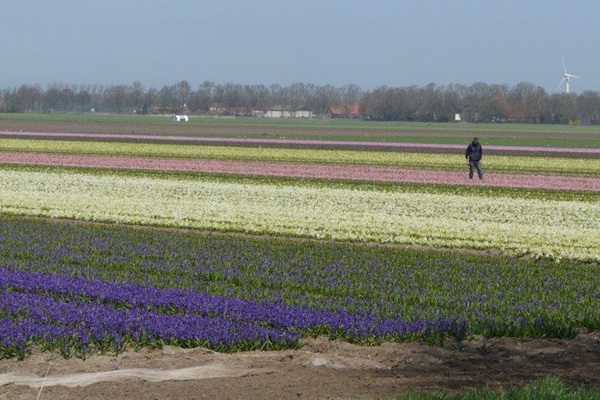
(540, 226)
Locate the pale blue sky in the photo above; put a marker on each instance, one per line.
(368, 43)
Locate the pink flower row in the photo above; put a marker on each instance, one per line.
(371, 173)
(296, 142)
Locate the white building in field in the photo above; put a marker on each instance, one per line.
(280, 111)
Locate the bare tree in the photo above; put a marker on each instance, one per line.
(183, 92)
(137, 97)
(258, 96)
(150, 101)
(351, 94)
(526, 103)
(28, 98)
(588, 106)
(202, 98)
(563, 108)
(325, 97)
(167, 99)
(83, 99)
(117, 97)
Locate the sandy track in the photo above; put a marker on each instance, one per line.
(322, 369)
(351, 172)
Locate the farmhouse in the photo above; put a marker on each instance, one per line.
(350, 111)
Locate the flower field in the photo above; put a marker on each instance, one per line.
(306, 170)
(243, 247)
(428, 160)
(556, 227)
(86, 288)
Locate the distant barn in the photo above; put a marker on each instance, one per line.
(352, 111)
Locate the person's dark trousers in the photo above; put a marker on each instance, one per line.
(475, 165)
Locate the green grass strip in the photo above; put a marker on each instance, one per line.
(546, 388)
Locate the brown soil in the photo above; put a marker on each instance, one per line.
(322, 369)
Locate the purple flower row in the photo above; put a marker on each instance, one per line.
(168, 314)
(94, 323)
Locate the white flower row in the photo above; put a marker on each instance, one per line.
(548, 228)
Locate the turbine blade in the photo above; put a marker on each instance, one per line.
(564, 66)
(561, 82)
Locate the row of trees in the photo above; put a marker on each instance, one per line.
(479, 102)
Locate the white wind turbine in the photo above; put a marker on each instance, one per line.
(566, 77)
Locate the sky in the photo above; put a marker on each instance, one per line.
(394, 43)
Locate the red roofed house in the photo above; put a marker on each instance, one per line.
(351, 111)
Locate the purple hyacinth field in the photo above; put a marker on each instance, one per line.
(74, 314)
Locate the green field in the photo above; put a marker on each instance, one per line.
(313, 129)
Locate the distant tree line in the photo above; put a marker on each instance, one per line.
(479, 102)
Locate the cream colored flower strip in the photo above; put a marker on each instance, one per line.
(542, 228)
(566, 165)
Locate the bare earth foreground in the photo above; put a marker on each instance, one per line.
(322, 369)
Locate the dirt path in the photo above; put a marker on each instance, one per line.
(322, 369)
(352, 172)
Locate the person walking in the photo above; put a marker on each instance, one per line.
(473, 155)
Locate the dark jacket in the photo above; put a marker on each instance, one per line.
(474, 152)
